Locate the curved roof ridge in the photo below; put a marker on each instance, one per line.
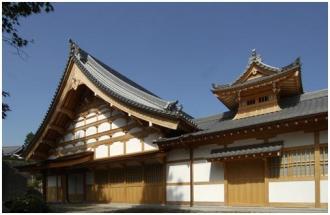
(118, 84)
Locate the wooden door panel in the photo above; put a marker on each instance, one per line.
(246, 182)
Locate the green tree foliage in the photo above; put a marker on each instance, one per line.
(28, 139)
(5, 107)
(11, 13)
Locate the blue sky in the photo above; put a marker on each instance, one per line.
(176, 50)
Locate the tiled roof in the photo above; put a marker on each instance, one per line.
(291, 107)
(10, 150)
(246, 150)
(124, 89)
(256, 59)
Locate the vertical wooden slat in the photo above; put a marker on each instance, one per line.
(317, 168)
(225, 175)
(191, 177)
(266, 182)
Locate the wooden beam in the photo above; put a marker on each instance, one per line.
(67, 112)
(57, 129)
(50, 143)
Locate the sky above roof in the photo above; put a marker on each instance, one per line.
(175, 50)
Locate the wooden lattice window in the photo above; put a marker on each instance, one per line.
(250, 102)
(324, 160)
(263, 99)
(293, 163)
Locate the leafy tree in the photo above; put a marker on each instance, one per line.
(5, 107)
(11, 13)
(28, 139)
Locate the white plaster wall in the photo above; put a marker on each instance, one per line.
(68, 137)
(104, 137)
(178, 172)
(130, 121)
(75, 184)
(89, 178)
(120, 122)
(324, 191)
(244, 142)
(104, 127)
(91, 120)
(93, 140)
(116, 148)
(134, 130)
(52, 157)
(118, 134)
(178, 193)
(79, 123)
(133, 145)
(177, 154)
(51, 181)
(80, 143)
(79, 134)
(292, 191)
(324, 136)
(91, 131)
(104, 115)
(59, 182)
(205, 151)
(68, 146)
(148, 142)
(293, 139)
(91, 114)
(101, 151)
(205, 171)
(209, 193)
(115, 112)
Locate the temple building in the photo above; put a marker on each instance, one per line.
(107, 139)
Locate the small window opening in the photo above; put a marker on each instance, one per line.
(251, 102)
(263, 99)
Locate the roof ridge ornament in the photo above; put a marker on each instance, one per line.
(255, 57)
(75, 50)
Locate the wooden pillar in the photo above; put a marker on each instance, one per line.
(225, 177)
(317, 174)
(266, 182)
(191, 151)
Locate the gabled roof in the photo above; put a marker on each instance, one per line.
(257, 74)
(11, 150)
(116, 86)
(304, 105)
(256, 60)
(124, 89)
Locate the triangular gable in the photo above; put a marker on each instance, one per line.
(253, 71)
(75, 75)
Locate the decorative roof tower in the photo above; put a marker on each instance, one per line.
(259, 88)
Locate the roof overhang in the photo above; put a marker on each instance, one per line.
(287, 83)
(69, 161)
(253, 151)
(261, 130)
